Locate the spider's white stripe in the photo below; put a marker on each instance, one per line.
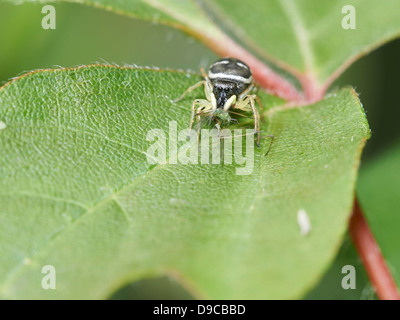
(242, 65)
(221, 62)
(224, 76)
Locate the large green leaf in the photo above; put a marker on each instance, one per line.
(301, 36)
(78, 193)
(378, 190)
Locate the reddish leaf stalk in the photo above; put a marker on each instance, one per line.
(313, 92)
(263, 75)
(371, 256)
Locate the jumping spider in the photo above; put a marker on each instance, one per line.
(228, 84)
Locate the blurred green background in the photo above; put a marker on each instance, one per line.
(85, 35)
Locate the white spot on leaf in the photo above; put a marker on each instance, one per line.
(304, 222)
(2, 125)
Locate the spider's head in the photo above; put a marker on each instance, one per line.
(223, 90)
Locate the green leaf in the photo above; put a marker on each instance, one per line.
(304, 37)
(77, 191)
(378, 191)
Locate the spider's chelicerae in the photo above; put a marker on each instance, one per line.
(228, 84)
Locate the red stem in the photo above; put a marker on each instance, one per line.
(371, 256)
(313, 92)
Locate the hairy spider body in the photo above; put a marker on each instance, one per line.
(228, 84)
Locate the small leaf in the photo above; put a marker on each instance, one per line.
(78, 193)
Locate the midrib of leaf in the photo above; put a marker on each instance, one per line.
(300, 32)
(239, 32)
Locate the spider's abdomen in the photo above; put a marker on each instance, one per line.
(230, 69)
(229, 77)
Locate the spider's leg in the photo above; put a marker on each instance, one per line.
(246, 92)
(270, 144)
(243, 104)
(202, 105)
(199, 112)
(256, 116)
(198, 84)
(257, 98)
(193, 114)
(203, 73)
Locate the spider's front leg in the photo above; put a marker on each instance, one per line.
(256, 116)
(190, 89)
(202, 105)
(207, 87)
(257, 98)
(244, 104)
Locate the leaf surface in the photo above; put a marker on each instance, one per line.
(304, 37)
(78, 193)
